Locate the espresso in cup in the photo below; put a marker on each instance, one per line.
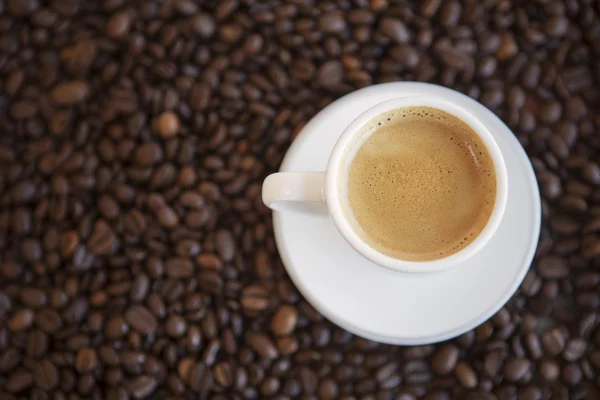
(421, 185)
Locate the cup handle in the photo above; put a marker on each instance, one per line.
(295, 191)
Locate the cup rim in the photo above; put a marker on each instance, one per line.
(336, 207)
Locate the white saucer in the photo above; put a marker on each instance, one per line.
(391, 307)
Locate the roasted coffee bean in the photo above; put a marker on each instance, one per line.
(444, 360)
(45, 375)
(574, 349)
(553, 341)
(200, 378)
(168, 124)
(102, 239)
(225, 244)
(140, 319)
(86, 360)
(179, 267)
(118, 24)
(571, 374)
(284, 321)
(224, 374)
(142, 387)
(466, 375)
(553, 268)
(21, 320)
(175, 326)
(37, 344)
(9, 359)
(18, 381)
(140, 287)
(516, 369)
(254, 298)
(70, 92)
(262, 345)
(48, 320)
(395, 29)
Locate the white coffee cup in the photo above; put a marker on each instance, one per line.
(280, 190)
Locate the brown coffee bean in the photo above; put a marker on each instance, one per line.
(108, 207)
(140, 287)
(287, 345)
(332, 22)
(45, 375)
(118, 24)
(493, 363)
(553, 341)
(18, 381)
(254, 298)
(571, 374)
(37, 344)
(33, 297)
(9, 359)
(68, 243)
(591, 173)
(262, 345)
(516, 369)
(140, 319)
(210, 281)
(590, 248)
(556, 26)
(223, 373)
(148, 154)
(508, 47)
(225, 244)
(79, 57)
(142, 387)
(465, 375)
(175, 326)
(284, 321)
(86, 360)
(168, 124)
(76, 311)
(116, 327)
(179, 267)
(22, 8)
(200, 378)
(330, 74)
(549, 370)
(48, 320)
(550, 185)
(167, 217)
(444, 360)
(31, 250)
(12, 270)
(203, 24)
(103, 240)
(321, 335)
(534, 345)
(21, 320)
(574, 349)
(22, 110)
(430, 7)
(553, 268)
(394, 29)
(70, 93)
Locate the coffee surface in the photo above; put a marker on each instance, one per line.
(422, 186)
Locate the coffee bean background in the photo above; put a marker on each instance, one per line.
(137, 258)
